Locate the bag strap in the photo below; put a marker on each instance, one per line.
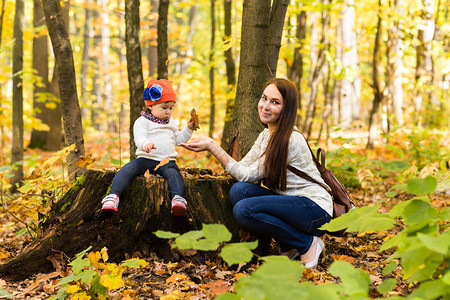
(320, 166)
(307, 177)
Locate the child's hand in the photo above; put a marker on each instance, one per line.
(148, 147)
(191, 124)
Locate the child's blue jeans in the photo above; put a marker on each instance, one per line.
(138, 167)
(291, 220)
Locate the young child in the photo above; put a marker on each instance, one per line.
(155, 135)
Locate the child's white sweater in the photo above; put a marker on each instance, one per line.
(164, 136)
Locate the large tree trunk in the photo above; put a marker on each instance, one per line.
(77, 222)
(134, 65)
(71, 112)
(253, 73)
(17, 121)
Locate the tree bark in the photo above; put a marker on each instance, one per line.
(2, 131)
(17, 118)
(295, 71)
(163, 44)
(212, 102)
(349, 89)
(231, 77)
(317, 64)
(152, 50)
(40, 64)
(134, 66)
(253, 73)
(77, 222)
(67, 84)
(277, 16)
(424, 61)
(378, 94)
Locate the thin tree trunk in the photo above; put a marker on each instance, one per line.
(349, 88)
(212, 104)
(231, 77)
(105, 45)
(378, 95)
(395, 64)
(134, 65)
(2, 132)
(17, 117)
(152, 52)
(96, 92)
(318, 63)
(424, 63)
(40, 64)
(296, 70)
(67, 84)
(55, 135)
(277, 16)
(85, 60)
(163, 44)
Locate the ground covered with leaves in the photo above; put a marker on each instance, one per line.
(204, 275)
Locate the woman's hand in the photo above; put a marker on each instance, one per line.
(201, 144)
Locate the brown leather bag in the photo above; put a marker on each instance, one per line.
(342, 201)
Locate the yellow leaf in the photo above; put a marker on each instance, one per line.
(104, 252)
(84, 161)
(81, 296)
(176, 278)
(112, 282)
(72, 289)
(162, 163)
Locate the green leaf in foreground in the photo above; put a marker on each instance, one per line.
(421, 186)
(134, 263)
(216, 232)
(361, 219)
(165, 234)
(5, 294)
(387, 285)
(237, 253)
(354, 282)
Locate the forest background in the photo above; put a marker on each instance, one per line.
(373, 76)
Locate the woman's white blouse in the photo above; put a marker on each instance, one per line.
(251, 169)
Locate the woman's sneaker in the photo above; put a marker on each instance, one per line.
(178, 206)
(110, 202)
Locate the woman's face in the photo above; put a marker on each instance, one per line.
(162, 110)
(270, 106)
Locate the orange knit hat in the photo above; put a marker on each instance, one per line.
(158, 91)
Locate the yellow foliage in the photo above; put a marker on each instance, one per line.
(112, 281)
(81, 296)
(365, 177)
(72, 289)
(104, 253)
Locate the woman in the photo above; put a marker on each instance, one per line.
(288, 208)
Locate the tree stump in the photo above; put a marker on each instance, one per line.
(77, 221)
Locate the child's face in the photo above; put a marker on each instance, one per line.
(163, 110)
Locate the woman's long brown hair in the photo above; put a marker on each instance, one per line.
(277, 149)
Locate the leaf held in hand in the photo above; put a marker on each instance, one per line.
(194, 117)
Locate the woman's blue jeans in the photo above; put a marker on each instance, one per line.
(138, 167)
(291, 220)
